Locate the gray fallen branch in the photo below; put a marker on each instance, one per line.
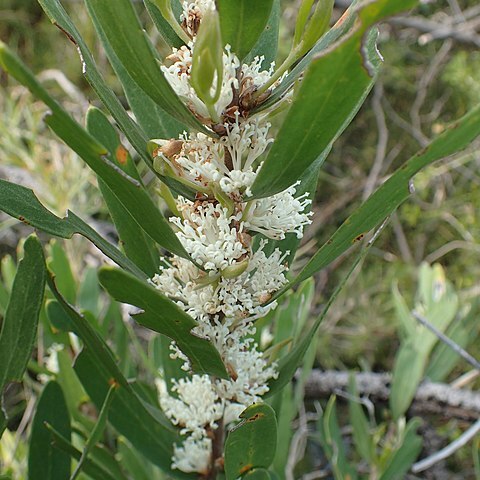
(437, 398)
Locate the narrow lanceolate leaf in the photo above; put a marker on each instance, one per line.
(21, 203)
(119, 25)
(163, 27)
(45, 462)
(19, 326)
(58, 16)
(267, 44)
(155, 122)
(392, 193)
(252, 443)
(137, 246)
(126, 189)
(133, 419)
(164, 316)
(331, 93)
(242, 23)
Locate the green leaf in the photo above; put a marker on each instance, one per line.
(163, 316)
(343, 26)
(91, 468)
(267, 44)
(21, 203)
(82, 328)
(133, 462)
(128, 414)
(258, 474)
(19, 326)
(58, 263)
(127, 190)
(97, 431)
(362, 437)
(242, 23)
(406, 453)
(155, 122)
(60, 18)
(251, 444)
(332, 443)
(138, 247)
(118, 24)
(285, 410)
(163, 27)
(407, 375)
(89, 292)
(331, 93)
(391, 194)
(44, 461)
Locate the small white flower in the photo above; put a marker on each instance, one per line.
(280, 214)
(193, 456)
(178, 75)
(207, 234)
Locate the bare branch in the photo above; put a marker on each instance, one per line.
(431, 397)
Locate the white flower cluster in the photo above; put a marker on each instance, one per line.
(231, 283)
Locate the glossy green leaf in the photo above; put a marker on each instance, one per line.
(406, 453)
(127, 190)
(242, 23)
(251, 444)
(137, 246)
(331, 93)
(44, 461)
(128, 414)
(332, 443)
(267, 44)
(392, 193)
(164, 316)
(118, 24)
(21, 203)
(97, 432)
(19, 326)
(154, 121)
(163, 27)
(60, 18)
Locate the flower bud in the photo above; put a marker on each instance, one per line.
(234, 271)
(207, 60)
(223, 198)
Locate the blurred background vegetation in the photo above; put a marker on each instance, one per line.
(431, 75)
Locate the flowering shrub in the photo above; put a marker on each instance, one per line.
(239, 199)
